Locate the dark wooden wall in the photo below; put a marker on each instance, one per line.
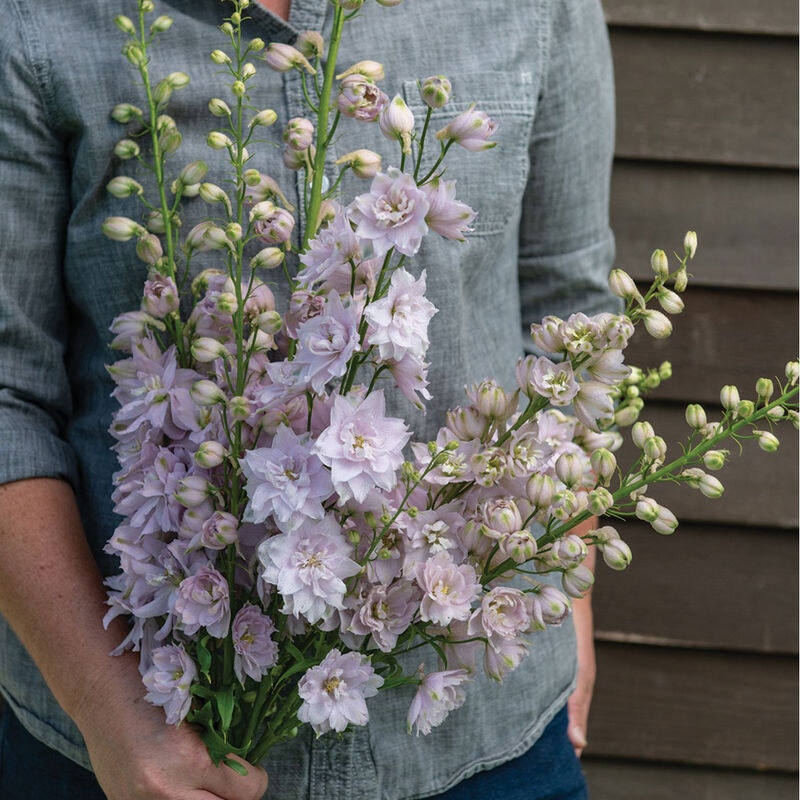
(697, 642)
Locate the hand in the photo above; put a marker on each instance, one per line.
(581, 699)
(137, 756)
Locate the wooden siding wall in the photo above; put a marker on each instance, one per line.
(696, 696)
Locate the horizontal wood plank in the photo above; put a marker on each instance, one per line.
(679, 589)
(627, 780)
(696, 707)
(706, 97)
(746, 221)
(766, 16)
(760, 488)
(722, 337)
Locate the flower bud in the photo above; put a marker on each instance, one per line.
(641, 432)
(220, 57)
(655, 448)
(715, 459)
(156, 224)
(148, 248)
(659, 263)
(470, 129)
(745, 408)
(212, 193)
(239, 408)
(622, 285)
(665, 522)
(501, 517)
(126, 148)
(267, 258)
(161, 24)
(708, 485)
(436, 91)
(793, 371)
(729, 397)
(125, 113)
(656, 324)
(310, 44)
(397, 122)
(599, 501)
(210, 454)
(194, 172)
(220, 530)
(629, 413)
(467, 423)
(283, 57)
(238, 89)
(193, 490)
(226, 302)
(647, 509)
(206, 393)
(299, 133)
(552, 604)
(577, 581)
(218, 107)
(122, 187)
(265, 118)
(681, 280)
(125, 24)
(492, 400)
(604, 464)
(363, 163)
(519, 546)
(205, 349)
(569, 468)
(764, 389)
(121, 229)
(690, 244)
(695, 416)
(767, 441)
(670, 301)
(540, 490)
(177, 80)
(217, 140)
(269, 322)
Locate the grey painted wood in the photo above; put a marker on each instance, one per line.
(760, 489)
(766, 16)
(746, 220)
(715, 587)
(722, 337)
(695, 707)
(628, 780)
(711, 98)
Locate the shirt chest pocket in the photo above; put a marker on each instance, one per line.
(490, 181)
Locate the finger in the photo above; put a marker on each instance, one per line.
(577, 738)
(228, 784)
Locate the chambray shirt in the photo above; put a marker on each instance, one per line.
(540, 245)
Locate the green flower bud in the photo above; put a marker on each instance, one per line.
(121, 229)
(745, 408)
(126, 148)
(793, 371)
(764, 389)
(161, 24)
(681, 280)
(210, 454)
(268, 258)
(641, 432)
(125, 112)
(659, 263)
(256, 45)
(220, 57)
(696, 416)
(219, 108)
(238, 88)
(122, 187)
(264, 118)
(217, 140)
(125, 24)
(670, 301)
(729, 397)
(436, 91)
(690, 244)
(656, 324)
(134, 54)
(655, 448)
(767, 441)
(599, 500)
(205, 350)
(604, 464)
(715, 459)
(248, 70)
(665, 370)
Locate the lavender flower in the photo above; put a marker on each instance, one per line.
(362, 446)
(334, 693)
(169, 680)
(385, 613)
(449, 589)
(447, 216)
(286, 482)
(392, 213)
(309, 568)
(255, 652)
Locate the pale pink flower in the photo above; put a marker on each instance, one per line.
(410, 374)
(362, 446)
(203, 601)
(555, 382)
(308, 568)
(334, 692)
(438, 694)
(255, 652)
(471, 129)
(385, 613)
(169, 681)
(398, 322)
(392, 214)
(331, 252)
(503, 657)
(448, 588)
(447, 216)
(594, 404)
(359, 98)
(160, 296)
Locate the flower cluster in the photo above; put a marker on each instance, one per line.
(283, 541)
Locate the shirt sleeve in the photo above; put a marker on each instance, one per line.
(566, 247)
(35, 402)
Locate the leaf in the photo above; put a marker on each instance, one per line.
(224, 701)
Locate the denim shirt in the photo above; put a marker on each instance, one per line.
(540, 245)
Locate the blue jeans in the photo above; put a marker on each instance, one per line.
(30, 770)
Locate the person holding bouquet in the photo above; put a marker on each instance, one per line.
(539, 245)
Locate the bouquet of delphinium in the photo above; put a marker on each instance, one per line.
(283, 541)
